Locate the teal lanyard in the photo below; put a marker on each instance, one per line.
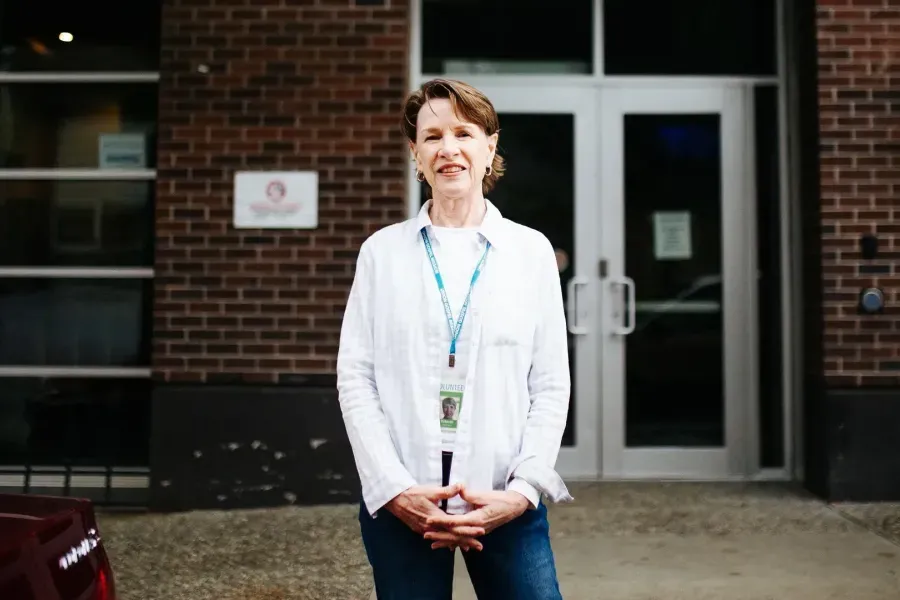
(454, 329)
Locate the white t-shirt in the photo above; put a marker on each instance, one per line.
(458, 252)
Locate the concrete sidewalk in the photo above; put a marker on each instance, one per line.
(713, 542)
(617, 541)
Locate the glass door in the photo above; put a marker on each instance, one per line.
(548, 137)
(678, 319)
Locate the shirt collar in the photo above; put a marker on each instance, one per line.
(492, 226)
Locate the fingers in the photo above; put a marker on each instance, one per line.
(445, 521)
(447, 545)
(465, 546)
(441, 536)
(476, 518)
(466, 531)
(476, 498)
(470, 544)
(461, 530)
(452, 546)
(444, 539)
(445, 493)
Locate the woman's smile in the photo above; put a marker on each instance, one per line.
(451, 170)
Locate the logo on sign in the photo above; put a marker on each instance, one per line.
(275, 204)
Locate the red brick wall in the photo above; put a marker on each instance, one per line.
(291, 84)
(859, 98)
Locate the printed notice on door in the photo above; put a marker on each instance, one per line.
(672, 235)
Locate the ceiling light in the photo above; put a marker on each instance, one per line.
(65, 36)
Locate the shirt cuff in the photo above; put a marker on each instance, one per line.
(381, 495)
(526, 489)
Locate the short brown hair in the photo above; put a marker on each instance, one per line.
(469, 104)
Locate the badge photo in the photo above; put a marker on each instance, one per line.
(450, 405)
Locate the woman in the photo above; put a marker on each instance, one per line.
(453, 373)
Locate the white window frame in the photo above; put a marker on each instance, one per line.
(42, 476)
(66, 174)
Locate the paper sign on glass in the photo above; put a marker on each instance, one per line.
(672, 235)
(122, 151)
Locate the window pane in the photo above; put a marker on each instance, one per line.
(673, 181)
(534, 37)
(78, 125)
(703, 37)
(86, 422)
(76, 223)
(74, 322)
(107, 35)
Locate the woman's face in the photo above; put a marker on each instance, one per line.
(452, 154)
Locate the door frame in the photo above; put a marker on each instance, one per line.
(582, 460)
(739, 457)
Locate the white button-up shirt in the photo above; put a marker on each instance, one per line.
(394, 346)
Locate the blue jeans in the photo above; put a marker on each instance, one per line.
(515, 564)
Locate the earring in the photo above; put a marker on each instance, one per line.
(488, 171)
(420, 176)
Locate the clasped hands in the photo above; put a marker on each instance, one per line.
(418, 507)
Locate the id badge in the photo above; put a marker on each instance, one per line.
(450, 404)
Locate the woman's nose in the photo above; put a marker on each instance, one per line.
(448, 146)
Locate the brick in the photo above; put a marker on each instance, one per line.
(299, 84)
(859, 159)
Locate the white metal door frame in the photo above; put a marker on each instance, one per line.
(737, 458)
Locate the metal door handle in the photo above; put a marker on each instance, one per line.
(628, 284)
(572, 305)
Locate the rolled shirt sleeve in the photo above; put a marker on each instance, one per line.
(533, 470)
(382, 475)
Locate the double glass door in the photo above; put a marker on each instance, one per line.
(642, 193)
